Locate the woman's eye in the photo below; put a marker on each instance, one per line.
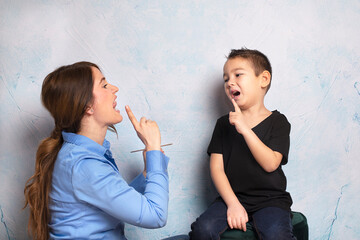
(105, 85)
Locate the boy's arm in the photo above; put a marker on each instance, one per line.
(236, 213)
(268, 159)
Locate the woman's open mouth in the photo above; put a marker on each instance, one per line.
(114, 106)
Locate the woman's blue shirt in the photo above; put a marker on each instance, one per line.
(89, 198)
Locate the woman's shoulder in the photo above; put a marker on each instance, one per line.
(73, 159)
(72, 153)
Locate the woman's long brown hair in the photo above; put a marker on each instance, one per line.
(66, 94)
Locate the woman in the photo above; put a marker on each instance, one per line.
(77, 191)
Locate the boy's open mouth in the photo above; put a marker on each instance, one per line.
(235, 93)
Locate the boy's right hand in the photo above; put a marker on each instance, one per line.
(237, 119)
(237, 216)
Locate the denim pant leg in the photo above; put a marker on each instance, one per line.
(178, 237)
(273, 223)
(211, 224)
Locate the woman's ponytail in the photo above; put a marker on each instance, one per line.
(39, 185)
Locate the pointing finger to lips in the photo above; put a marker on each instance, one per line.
(236, 107)
(131, 116)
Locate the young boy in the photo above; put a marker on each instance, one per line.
(247, 149)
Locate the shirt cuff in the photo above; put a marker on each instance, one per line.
(156, 161)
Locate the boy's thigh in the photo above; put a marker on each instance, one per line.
(212, 222)
(273, 223)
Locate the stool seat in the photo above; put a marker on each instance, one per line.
(300, 230)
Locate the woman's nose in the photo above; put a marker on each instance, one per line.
(114, 88)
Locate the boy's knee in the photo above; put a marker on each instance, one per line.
(199, 231)
(273, 223)
(203, 229)
(278, 233)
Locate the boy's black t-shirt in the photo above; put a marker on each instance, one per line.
(254, 187)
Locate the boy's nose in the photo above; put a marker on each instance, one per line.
(231, 81)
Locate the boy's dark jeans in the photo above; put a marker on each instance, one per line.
(270, 223)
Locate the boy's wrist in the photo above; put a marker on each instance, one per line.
(233, 201)
(246, 131)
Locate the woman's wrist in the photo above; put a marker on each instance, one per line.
(153, 147)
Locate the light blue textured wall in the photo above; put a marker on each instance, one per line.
(166, 57)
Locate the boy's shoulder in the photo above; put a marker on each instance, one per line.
(226, 116)
(278, 115)
(223, 120)
(279, 120)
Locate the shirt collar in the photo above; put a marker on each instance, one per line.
(87, 143)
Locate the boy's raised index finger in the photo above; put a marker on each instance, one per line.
(236, 107)
(131, 116)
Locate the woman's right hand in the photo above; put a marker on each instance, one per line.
(147, 130)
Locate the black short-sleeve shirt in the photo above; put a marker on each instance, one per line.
(254, 187)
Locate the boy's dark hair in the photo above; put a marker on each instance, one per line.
(259, 61)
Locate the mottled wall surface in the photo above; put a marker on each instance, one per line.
(166, 57)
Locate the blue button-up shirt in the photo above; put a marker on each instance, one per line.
(89, 198)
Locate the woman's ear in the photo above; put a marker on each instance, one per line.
(265, 79)
(89, 110)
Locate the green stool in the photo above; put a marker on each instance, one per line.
(300, 229)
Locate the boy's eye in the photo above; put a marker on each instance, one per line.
(226, 79)
(238, 74)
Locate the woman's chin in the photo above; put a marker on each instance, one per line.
(119, 119)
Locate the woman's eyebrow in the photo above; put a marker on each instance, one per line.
(102, 79)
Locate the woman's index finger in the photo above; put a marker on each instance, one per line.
(131, 116)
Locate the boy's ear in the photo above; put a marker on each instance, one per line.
(265, 79)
